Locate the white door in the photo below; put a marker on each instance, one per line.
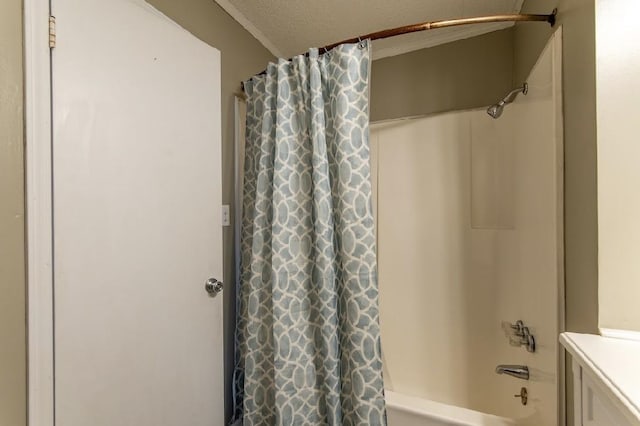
(137, 226)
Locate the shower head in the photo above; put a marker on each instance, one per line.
(495, 110)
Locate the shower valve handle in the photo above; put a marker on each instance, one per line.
(513, 328)
(519, 335)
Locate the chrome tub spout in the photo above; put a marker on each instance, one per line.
(518, 371)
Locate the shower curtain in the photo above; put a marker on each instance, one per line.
(308, 339)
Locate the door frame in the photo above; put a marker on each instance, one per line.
(39, 214)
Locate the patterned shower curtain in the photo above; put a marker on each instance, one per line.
(308, 339)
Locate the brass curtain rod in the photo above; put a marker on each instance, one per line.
(425, 26)
(432, 25)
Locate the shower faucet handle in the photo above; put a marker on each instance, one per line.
(515, 328)
(519, 335)
(526, 339)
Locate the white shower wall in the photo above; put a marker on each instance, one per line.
(469, 234)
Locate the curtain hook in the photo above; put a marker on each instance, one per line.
(361, 44)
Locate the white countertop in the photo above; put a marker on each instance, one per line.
(615, 363)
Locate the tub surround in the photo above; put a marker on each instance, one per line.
(468, 227)
(606, 379)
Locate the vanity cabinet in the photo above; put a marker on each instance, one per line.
(591, 406)
(606, 380)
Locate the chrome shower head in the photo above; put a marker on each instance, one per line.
(495, 110)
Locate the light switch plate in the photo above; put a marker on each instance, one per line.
(226, 221)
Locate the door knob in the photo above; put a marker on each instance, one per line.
(213, 287)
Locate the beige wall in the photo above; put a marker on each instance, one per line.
(618, 66)
(459, 75)
(577, 18)
(242, 56)
(12, 269)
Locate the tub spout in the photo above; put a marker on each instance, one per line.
(518, 371)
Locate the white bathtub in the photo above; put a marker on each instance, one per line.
(403, 410)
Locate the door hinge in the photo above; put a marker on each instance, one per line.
(52, 32)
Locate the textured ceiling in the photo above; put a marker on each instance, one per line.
(290, 27)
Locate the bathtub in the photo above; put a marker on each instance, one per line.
(404, 410)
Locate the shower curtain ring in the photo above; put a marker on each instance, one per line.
(360, 43)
